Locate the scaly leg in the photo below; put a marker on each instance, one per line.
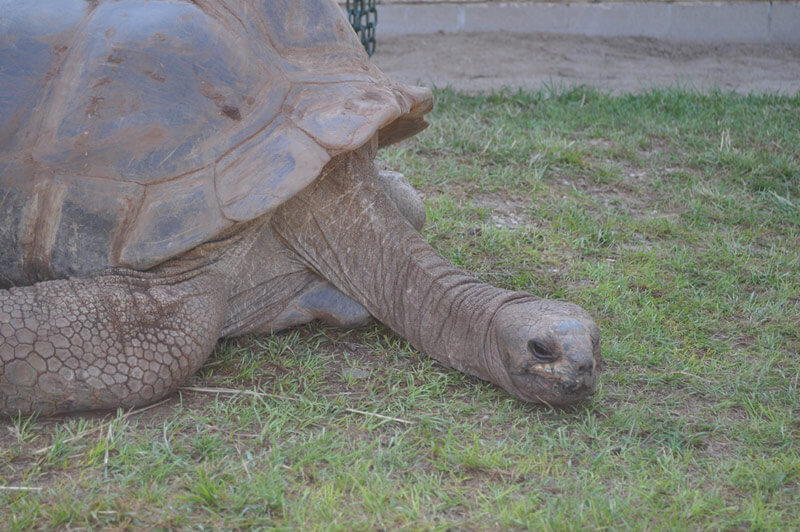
(119, 339)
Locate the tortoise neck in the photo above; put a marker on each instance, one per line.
(350, 233)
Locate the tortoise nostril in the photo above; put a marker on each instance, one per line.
(585, 369)
(540, 352)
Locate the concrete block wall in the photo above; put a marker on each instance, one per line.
(700, 21)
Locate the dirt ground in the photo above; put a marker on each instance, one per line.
(484, 61)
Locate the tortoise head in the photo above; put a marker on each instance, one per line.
(550, 350)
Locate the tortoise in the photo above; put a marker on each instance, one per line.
(176, 172)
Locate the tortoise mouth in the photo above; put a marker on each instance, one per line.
(553, 389)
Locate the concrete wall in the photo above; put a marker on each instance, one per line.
(701, 21)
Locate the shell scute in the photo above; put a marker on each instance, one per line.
(31, 53)
(342, 115)
(12, 204)
(154, 82)
(174, 216)
(261, 174)
(309, 25)
(93, 215)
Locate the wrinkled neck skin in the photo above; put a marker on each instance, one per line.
(347, 231)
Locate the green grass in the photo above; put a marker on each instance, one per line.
(672, 216)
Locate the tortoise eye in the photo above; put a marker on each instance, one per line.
(540, 352)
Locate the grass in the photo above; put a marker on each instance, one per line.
(673, 216)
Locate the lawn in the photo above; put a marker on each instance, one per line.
(673, 216)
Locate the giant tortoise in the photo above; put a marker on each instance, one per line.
(173, 172)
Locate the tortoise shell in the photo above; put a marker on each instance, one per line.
(131, 131)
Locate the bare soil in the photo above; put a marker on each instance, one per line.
(476, 62)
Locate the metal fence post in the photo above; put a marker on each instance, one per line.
(363, 16)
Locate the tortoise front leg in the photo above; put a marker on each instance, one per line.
(114, 340)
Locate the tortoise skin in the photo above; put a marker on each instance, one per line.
(129, 136)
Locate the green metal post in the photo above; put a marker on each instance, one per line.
(363, 16)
